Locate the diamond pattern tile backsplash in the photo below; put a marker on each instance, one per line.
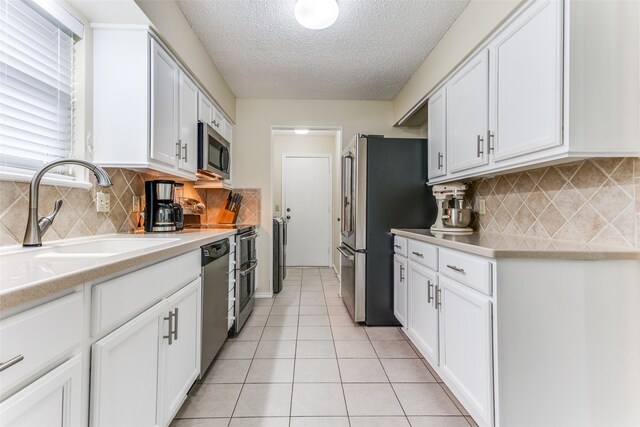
(78, 216)
(594, 201)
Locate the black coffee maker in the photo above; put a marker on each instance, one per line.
(161, 213)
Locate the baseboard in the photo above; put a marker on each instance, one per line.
(263, 295)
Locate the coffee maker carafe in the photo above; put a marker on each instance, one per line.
(161, 213)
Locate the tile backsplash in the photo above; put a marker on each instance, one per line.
(78, 216)
(595, 201)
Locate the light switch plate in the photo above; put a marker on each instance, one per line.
(482, 206)
(103, 204)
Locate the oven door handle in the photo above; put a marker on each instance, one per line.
(345, 254)
(249, 270)
(251, 236)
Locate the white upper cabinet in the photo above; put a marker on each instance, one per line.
(556, 82)
(526, 83)
(205, 109)
(164, 145)
(437, 134)
(146, 106)
(468, 114)
(188, 122)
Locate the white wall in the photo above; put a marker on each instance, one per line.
(252, 147)
(474, 24)
(309, 144)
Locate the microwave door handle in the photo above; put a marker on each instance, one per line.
(224, 159)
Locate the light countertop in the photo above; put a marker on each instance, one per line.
(27, 274)
(496, 245)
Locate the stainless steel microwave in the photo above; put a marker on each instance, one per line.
(213, 152)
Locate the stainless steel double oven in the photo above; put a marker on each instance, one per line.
(246, 263)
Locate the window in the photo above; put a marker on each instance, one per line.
(36, 84)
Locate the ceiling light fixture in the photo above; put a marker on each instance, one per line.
(301, 131)
(316, 14)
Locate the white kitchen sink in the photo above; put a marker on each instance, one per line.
(101, 248)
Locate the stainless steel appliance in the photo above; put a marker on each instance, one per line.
(383, 187)
(279, 253)
(161, 213)
(214, 156)
(215, 268)
(246, 263)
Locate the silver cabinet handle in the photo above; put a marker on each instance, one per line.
(184, 151)
(418, 254)
(401, 273)
(175, 324)
(479, 146)
(440, 157)
(454, 268)
(397, 246)
(490, 140)
(9, 363)
(169, 335)
(429, 295)
(438, 297)
(178, 145)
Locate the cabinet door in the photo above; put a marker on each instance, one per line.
(423, 314)
(181, 354)
(164, 106)
(205, 109)
(468, 115)
(217, 121)
(400, 289)
(54, 399)
(124, 373)
(526, 82)
(228, 134)
(188, 120)
(465, 347)
(437, 134)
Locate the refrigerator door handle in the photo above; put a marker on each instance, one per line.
(345, 254)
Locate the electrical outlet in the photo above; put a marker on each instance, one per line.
(135, 204)
(482, 206)
(103, 204)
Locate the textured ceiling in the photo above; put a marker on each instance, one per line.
(369, 53)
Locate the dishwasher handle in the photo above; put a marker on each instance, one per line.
(215, 251)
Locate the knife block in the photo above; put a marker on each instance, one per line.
(225, 216)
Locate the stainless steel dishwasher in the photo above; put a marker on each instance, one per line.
(215, 304)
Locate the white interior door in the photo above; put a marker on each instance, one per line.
(306, 201)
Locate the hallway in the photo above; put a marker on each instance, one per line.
(301, 361)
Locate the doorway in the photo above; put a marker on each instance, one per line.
(305, 181)
(306, 204)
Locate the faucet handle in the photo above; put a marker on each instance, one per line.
(45, 222)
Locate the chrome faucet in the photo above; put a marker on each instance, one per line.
(37, 227)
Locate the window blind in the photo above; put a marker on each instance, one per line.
(36, 85)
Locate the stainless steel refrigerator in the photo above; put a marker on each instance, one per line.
(383, 187)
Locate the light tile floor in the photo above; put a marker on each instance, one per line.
(301, 361)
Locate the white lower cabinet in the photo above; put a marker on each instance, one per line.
(400, 308)
(52, 400)
(450, 322)
(141, 371)
(182, 354)
(423, 312)
(466, 361)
